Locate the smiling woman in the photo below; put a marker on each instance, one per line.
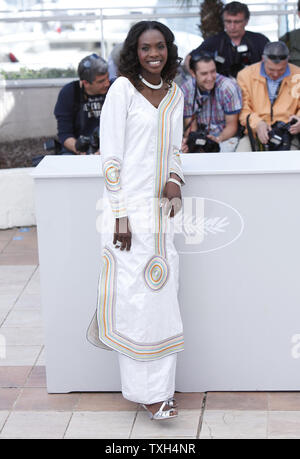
(140, 138)
(153, 54)
(132, 51)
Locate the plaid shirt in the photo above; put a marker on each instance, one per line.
(227, 100)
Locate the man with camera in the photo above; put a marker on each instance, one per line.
(79, 105)
(271, 102)
(212, 104)
(234, 48)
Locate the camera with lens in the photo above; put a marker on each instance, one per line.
(241, 60)
(279, 136)
(88, 144)
(198, 142)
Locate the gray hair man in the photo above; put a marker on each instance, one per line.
(270, 91)
(79, 104)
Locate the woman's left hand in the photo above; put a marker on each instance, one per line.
(171, 199)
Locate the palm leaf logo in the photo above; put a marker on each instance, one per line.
(195, 229)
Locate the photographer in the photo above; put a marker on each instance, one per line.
(235, 48)
(212, 104)
(270, 92)
(79, 105)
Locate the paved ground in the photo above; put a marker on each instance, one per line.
(28, 411)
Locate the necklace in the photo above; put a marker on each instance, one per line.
(152, 86)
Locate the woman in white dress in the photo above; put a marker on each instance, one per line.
(140, 137)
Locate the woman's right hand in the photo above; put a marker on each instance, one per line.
(122, 234)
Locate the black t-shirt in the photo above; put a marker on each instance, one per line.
(77, 113)
(220, 46)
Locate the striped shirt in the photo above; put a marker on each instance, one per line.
(226, 99)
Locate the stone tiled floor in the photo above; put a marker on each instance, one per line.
(28, 411)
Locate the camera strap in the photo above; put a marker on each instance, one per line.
(250, 134)
(211, 97)
(194, 116)
(195, 100)
(78, 104)
(275, 97)
(220, 60)
(195, 112)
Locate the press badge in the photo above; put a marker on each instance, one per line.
(242, 49)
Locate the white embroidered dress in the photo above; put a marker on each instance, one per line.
(137, 311)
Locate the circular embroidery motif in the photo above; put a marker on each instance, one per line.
(156, 272)
(111, 174)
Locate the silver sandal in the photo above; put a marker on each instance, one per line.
(161, 413)
(172, 403)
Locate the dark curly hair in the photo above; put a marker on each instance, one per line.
(129, 65)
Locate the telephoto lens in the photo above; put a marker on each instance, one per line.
(82, 143)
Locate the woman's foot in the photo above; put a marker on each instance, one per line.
(162, 410)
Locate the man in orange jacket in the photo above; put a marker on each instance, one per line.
(271, 93)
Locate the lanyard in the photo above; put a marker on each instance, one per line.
(274, 100)
(211, 97)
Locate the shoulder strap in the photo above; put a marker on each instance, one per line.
(77, 95)
(222, 44)
(78, 102)
(275, 98)
(250, 134)
(247, 40)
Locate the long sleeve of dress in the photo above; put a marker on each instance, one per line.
(177, 134)
(140, 143)
(112, 144)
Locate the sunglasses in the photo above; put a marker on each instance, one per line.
(198, 57)
(87, 64)
(280, 57)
